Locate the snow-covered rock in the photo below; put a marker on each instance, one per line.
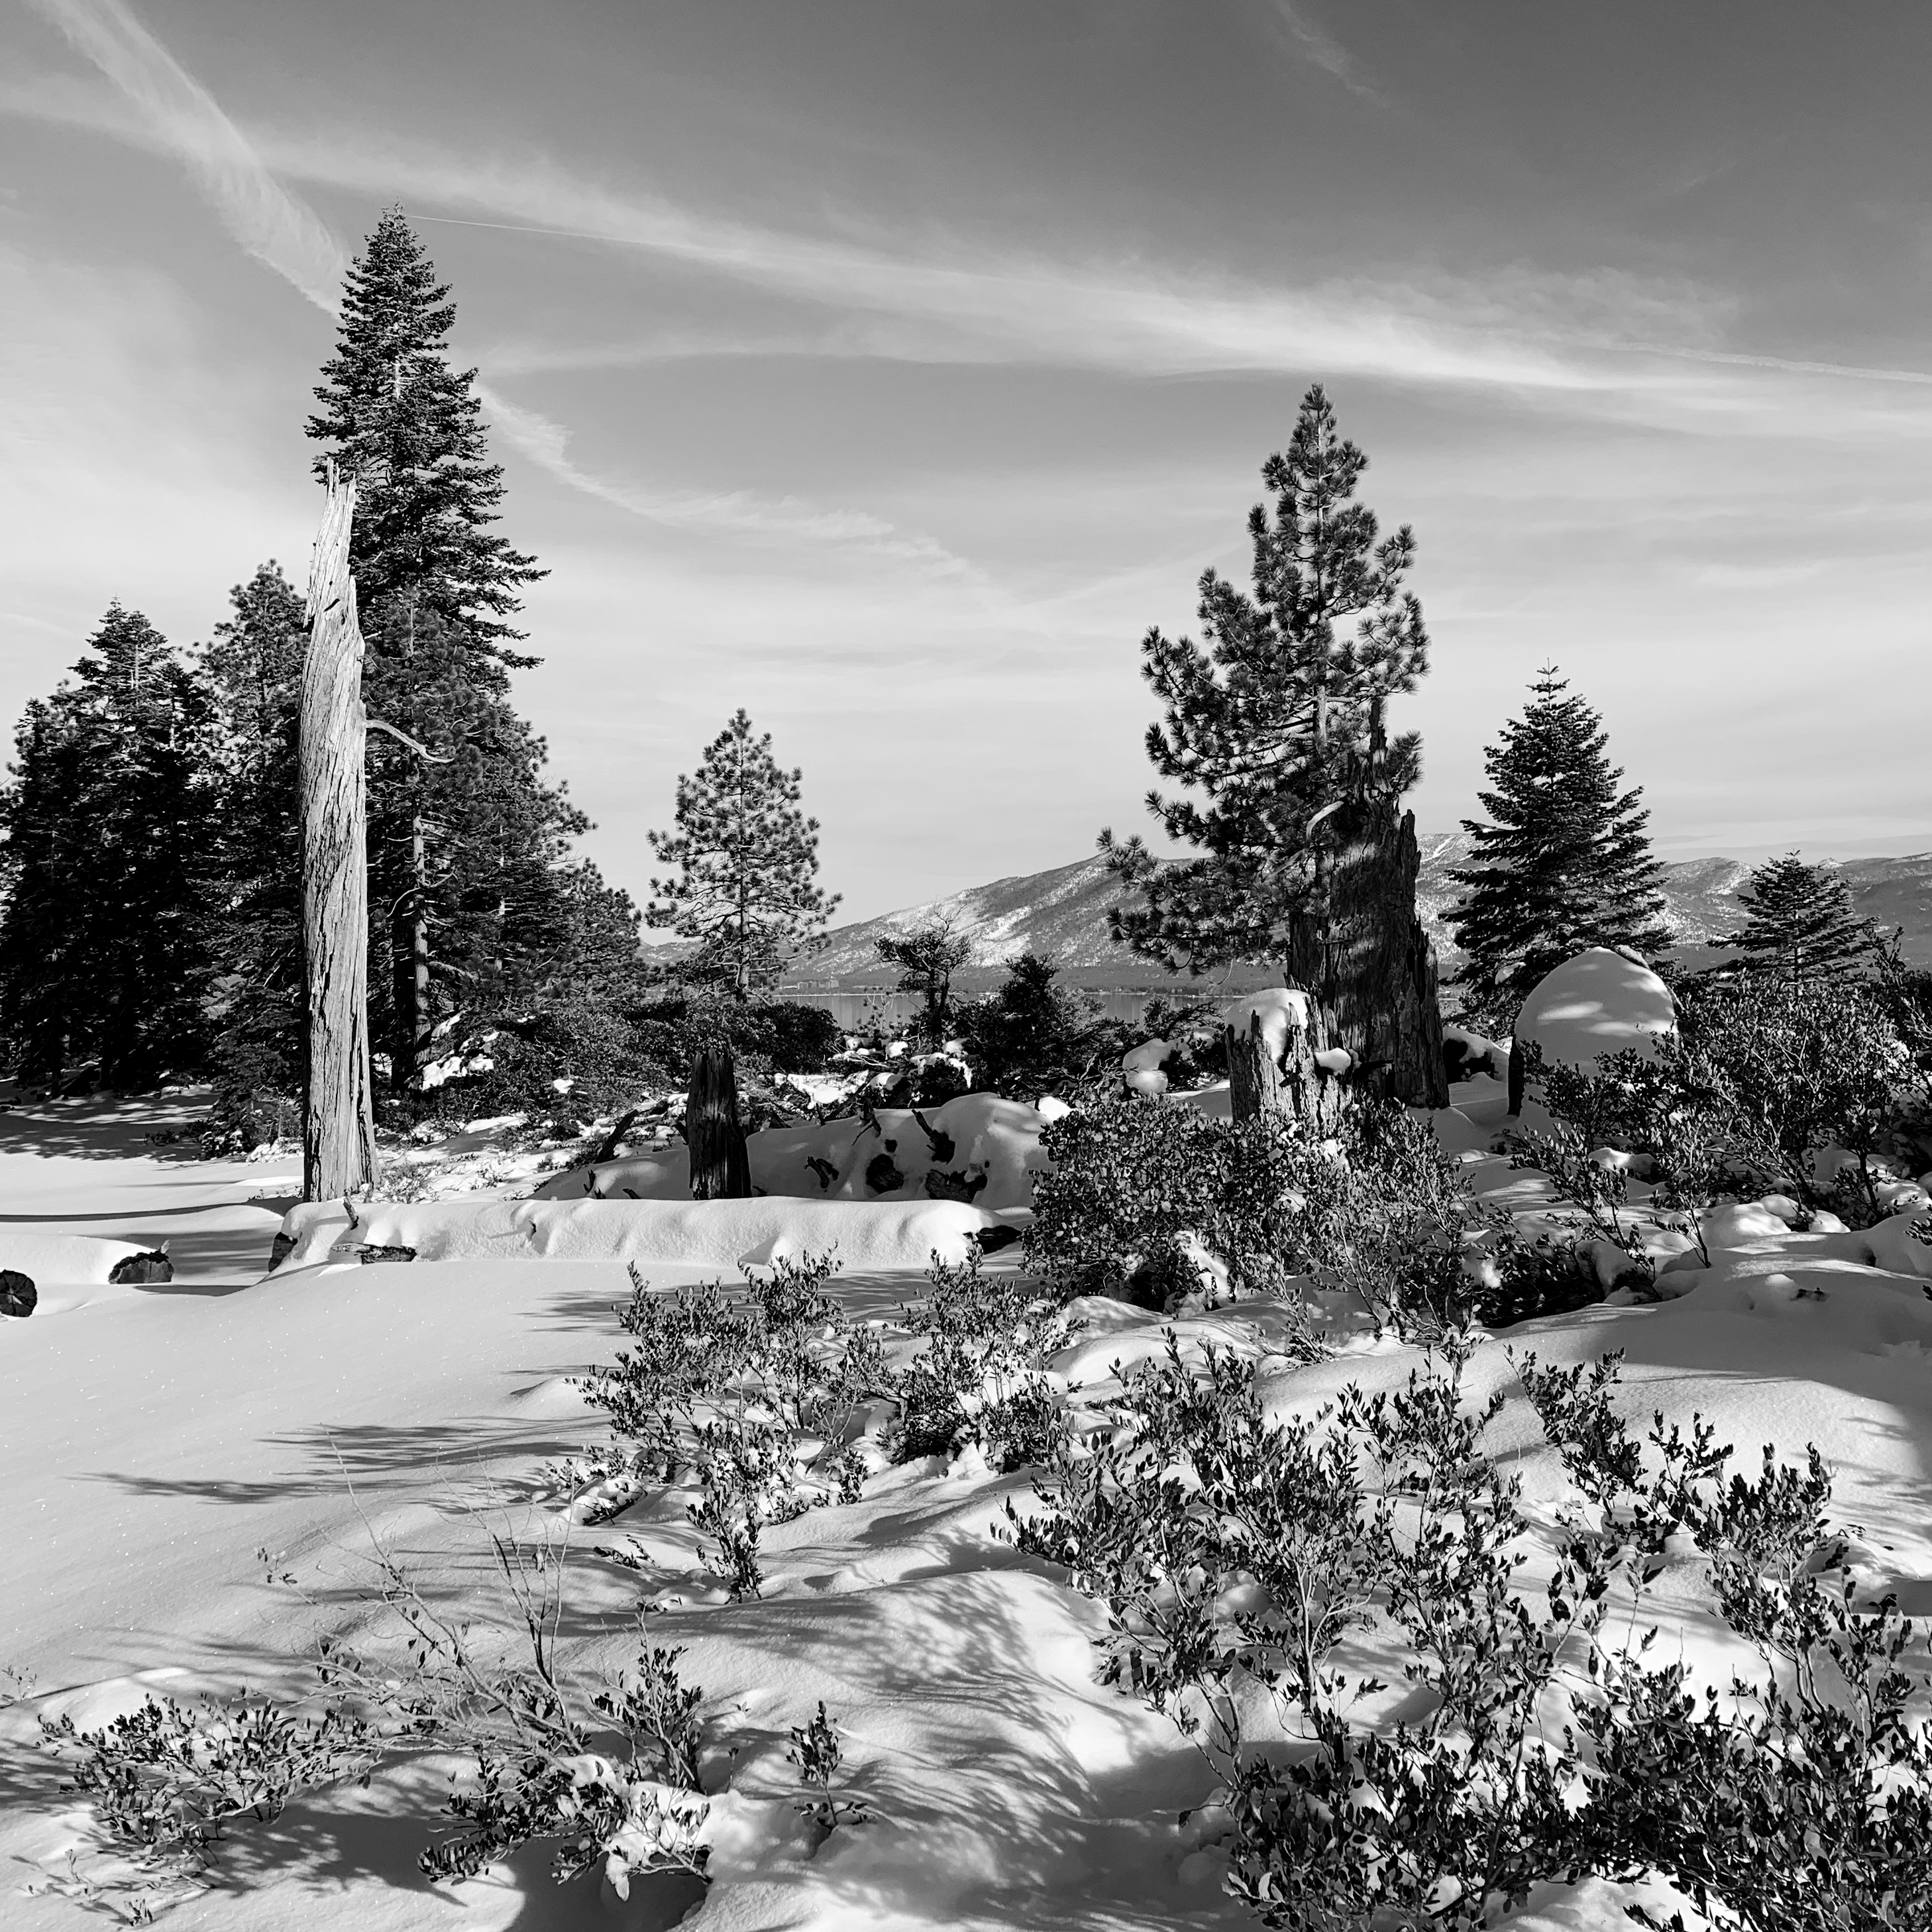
(1599, 1003)
(70, 1260)
(977, 1147)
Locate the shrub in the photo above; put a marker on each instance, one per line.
(1235, 1556)
(981, 1378)
(1379, 1212)
(570, 1057)
(165, 1778)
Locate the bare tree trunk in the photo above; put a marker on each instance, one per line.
(721, 1170)
(1373, 969)
(338, 1122)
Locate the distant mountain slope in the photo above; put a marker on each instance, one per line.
(1063, 913)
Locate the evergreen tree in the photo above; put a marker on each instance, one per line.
(1565, 863)
(927, 958)
(746, 858)
(410, 427)
(1282, 722)
(253, 665)
(476, 905)
(109, 825)
(1799, 925)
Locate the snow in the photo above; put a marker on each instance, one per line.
(992, 1144)
(708, 1234)
(157, 1438)
(1600, 1002)
(1279, 1009)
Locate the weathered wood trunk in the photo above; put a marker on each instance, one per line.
(720, 1168)
(1369, 963)
(1294, 1083)
(338, 1122)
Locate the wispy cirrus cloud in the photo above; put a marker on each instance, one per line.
(1308, 41)
(952, 298)
(182, 116)
(173, 113)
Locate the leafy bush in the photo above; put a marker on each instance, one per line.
(981, 1378)
(1235, 1556)
(1379, 1212)
(752, 1395)
(165, 1778)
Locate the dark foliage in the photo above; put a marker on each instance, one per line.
(1564, 863)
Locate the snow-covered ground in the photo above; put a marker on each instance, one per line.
(155, 1439)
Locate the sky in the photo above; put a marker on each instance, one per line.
(888, 369)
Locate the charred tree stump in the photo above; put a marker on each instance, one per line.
(1367, 960)
(721, 1170)
(1296, 1084)
(338, 1120)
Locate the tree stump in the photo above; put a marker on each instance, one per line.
(721, 1170)
(1296, 1084)
(1369, 961)
(338, 1119)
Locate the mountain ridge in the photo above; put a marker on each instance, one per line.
(1060, 913)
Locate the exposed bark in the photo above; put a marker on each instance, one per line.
(1368, 963)
(338, 1121)
(1295, 1084)
(721, 1170)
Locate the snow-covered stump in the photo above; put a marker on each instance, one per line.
(1279, 1062)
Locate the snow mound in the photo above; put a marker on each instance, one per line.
(1599, 1003)
(702, 1233)
(977, 1147)
(68, 1261)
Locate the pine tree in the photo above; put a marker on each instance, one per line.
(409, 428)
(109, 831)
(927, 958)
(1566, 863)
(1282, 722)
(252, 665)
(1799, 925)
(746, 858)
(476, 904)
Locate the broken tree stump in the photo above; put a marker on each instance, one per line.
(720, 1169)
(1292, 1081)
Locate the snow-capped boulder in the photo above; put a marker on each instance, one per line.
(1599, 1003)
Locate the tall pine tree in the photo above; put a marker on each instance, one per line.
(1280, 719)
(475, 903)
(1799, 925)
(409, 428)
(253, 665)
(745, 887)
(1564, 862)
(109, 824)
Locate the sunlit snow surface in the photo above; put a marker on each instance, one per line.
(154, 1439)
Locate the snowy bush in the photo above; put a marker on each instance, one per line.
(981, 1378)
(1236, 1556)
(752, 1396)
(165, 1778)
(1380, 1213)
